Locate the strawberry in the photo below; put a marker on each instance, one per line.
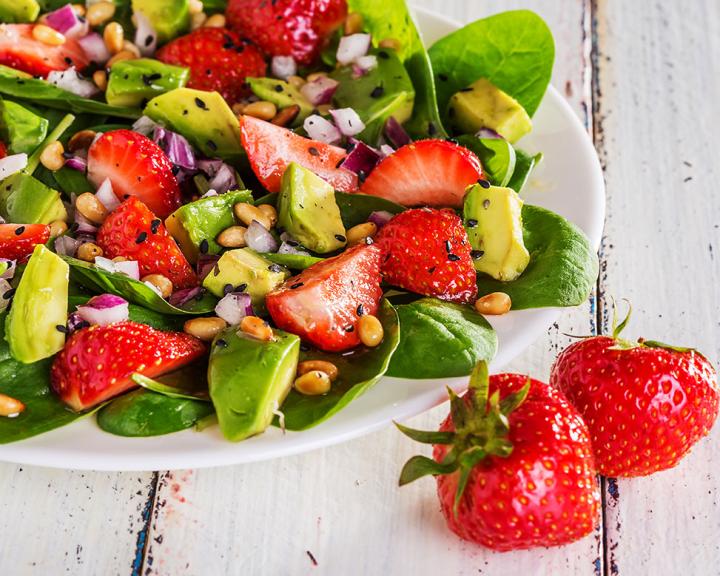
(646, 403)
(297, 28)
(219, 60)
(97, 362)
(19, 50)
(3, 150)
(271, 148)
(134, 232)
(136, 166)
(427, 252)
(323, 304)
(425, 173)
(513, 465)
(18, 240)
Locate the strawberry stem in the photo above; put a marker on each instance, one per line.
(618, 328)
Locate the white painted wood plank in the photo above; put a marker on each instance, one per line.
(658, 122)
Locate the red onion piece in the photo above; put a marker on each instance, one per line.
(144, 126)
(66, 246)
(210, 167)
(176, 147)
(234, 307)
(94, 47)
(105, 301)
(145, 35)
(76, 163)
(380, 217)
(283, 67)
(66, 21)
(104, 309)
(361, 159)
(395, 133)
(184, 296)
(488, 134)
(319, 91)
(287, 248)
(347, 121)
(84, 226)
(322, 130)
(386, 150)
(130, 268)
(71, 81)
(205, 263)
(106, 195)
(11, 164)
(259, 239)
(75, 322)
(224, 180)
(352, 47)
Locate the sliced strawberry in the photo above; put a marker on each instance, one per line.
(3, 150)
(271, 148)
(427, 252)
(97, 362)
(136, 166)
(18, 240)
(425, 173)
(19, 50)
(134, 232)
(323, 304)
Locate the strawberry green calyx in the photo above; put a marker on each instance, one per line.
(481, 430)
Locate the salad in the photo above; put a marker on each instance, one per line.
(247, 214)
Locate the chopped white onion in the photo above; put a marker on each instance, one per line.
(145, 34)
(259, 239)
(4, 287)
(106, 264)
(71, 81)
(386, 150)
(234, 307)
(130, 268)
(144, 126)
(154, 288)
(12, 164)
(347, 121)
(319, 91)
(283, 67)
(94, 47)
(106, 195)
(318, 128)
(352, 47)
(367, 63)
(66, 246)
(104, 316)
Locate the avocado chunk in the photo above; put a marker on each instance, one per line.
(384, 91)
(25, 199)
(20, 128)
(204, 118)
(282, 94)
(307, 210)
(169, 18)
(244, 267)
(249, 379)
(484, 105)
(18, 11)
(198, 223)
(133, 82)
(493, 220)
(40, 305)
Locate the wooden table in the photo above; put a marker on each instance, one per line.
(644, 77)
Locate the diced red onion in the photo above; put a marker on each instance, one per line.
(224, 180)
(367, 62)
(283, 67)
(4, 288)
(180, 297)
(287, 248)
(66, 21)
(71, 81)
(104, 309)
(322, 130)
(259, 239)
(361, 159)
(395, 133)
(234, 307)
(357, 72)
(106, 195)
(386, 150)
(210, 167)
(352, 47)
(94, 47)
(144, 126)
(488, 134)
(66, 246)
(75, 322)
(12, 164)
(130, 268)
(380, 217)
(145, 34)
(319, 91)
(210, 193)
(176, 147)
(347, 121)
(205, 264)
(104, 301)
(76, 163)
(10, 271)
(84, 226)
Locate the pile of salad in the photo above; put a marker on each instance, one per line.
(248, 213)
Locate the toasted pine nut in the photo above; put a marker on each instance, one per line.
(494, 304)
(324, 109)
(296, 81)
(79, 9)
(215, 21)
(114, 37)
(370, 330)
(119, 57)
(130, 47)
(205, 329)
(81, 140)
(262, 109)
(160, 282)
(313, 383)
(52, 156)
(57, 227)
(246, 213)
(195, 6)
(309, 365)
(257, 328)
(99, 13)
(89, 251)
(238, 108)
(390, 43)
(91, 208)
(315, 76)
(233, 237)
(353, 23)
(270, 213)
(119, 259)
(197, 20)
(100, 79)
(286, 116)
(358, 233)
(10, 407)
(47, 35)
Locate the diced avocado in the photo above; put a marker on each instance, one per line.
(20, 128)
(133, 82)
(18, 11)
(203, 220)
(39, 306)
(484, 105)
(249, 379)
(244, 266)
(384, 91)
(25, 199)
(307, 210)
(282, 94)
(169, 18)
(204, 118)
(493, 222)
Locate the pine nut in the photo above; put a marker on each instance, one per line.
(99, 13)
(119, 57)
(286, 116)
(10, 407)
(91, 208)
(79, 9)
(370, 330)
(246, 213)
(270, 213)
(47, 35)
(160, 282)
(100, 79)
(195, 6)
(233, 237)
(130, 47)
(358, 233)
(263, 110)
(57, 228)
(353, 23)
(313, 383)
(197, 20)
(238, 108)
(390, 43)
(296, 81)
(257, 328)
(316, 76)
(309, 365)
(114, 36)
(215, 21)
(52, 156)
(81, 140)
(205, 329)
(494, 304)
(88, 252)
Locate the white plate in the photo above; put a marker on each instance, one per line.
(569, 181)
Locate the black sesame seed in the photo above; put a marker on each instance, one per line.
(339, 163)
(377, 92)
(292, 243)
(340, 238)
(313, 151)
(384, 55)
(471, 223)
(362, 176)
(349, 328)
(141, 238)
(486, 203)
(279, 88)
(19, 230)
(149, 39)
(212, 145)
(275, 268)
(241, 288)
(453, 257)
(431, 269)
(227, 289)
(204, 246)
(9, 294)
(216, 270)
(61, 328)
(155, 225)
(468, 89)
(448, 246)
(220, 343)
(484, 183)
(477, 254)
(296, 285)
(443, 77)
(360, 310)
(200, 104)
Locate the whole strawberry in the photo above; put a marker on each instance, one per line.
(428, 252)
(645, 403)
(219, 60)
(513, 465)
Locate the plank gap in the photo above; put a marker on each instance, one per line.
(143, 537)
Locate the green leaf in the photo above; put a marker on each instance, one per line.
(356, 208)
(292, 261)
(137, 314)
(427, 436)
(512, 401)
(441, 339)
(524, 165)
(467, 461)
(357, 372)
(419, 466)
(496, 155)
(563, 265)
(514, 50)
(480, 386)
(189, 382)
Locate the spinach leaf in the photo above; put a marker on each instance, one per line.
(214, 6)
(524, 165)
(514, 50)
(137, 314)
(358, 372)
(189, 382)
(440, 339)
(496, 155)
(292, 261)
(66, 180)
(168, 390)
(563, 265)
(356, 208)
